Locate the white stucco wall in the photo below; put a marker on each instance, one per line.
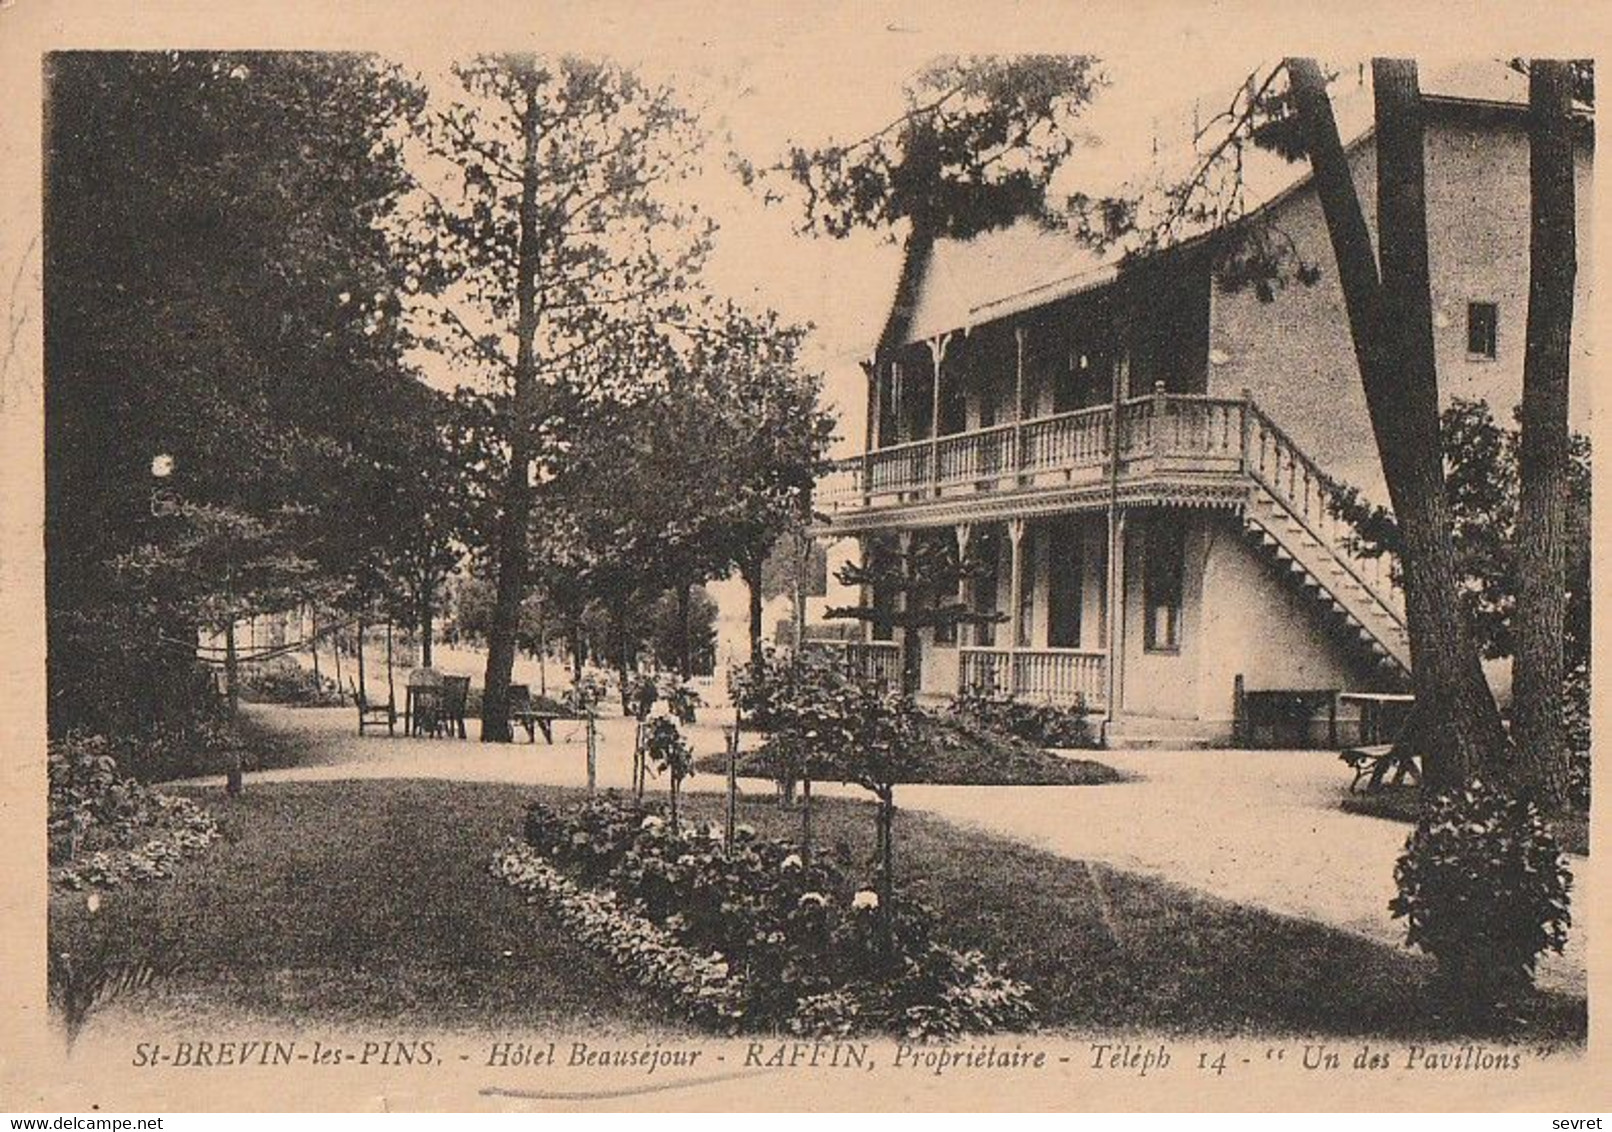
(1253, 624)
(1295, 354)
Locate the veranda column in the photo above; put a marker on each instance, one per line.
(875, 411)
(1018, 401)
(1114, 607)
(911, 673)
(937, 354)
(1114, 595)
(865, 595)
(1015, 599)
(965, 585)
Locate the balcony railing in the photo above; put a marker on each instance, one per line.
(1069, 447)
(1159, 434)
(1061, 676)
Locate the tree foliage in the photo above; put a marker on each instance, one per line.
(1480, 459)
(976, 148)
(218, 295)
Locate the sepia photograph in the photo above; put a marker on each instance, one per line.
(797, 559)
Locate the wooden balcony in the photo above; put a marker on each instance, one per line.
(1173, 448)
(1160, 434)
(1060, 676)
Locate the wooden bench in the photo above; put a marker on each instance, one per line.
(1377, 760)
(523, 713)
(534, 721)
(1373, 759)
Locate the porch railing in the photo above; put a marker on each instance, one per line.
(880, 660)
(1056, 675)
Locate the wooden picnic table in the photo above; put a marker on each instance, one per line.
(1374, 758)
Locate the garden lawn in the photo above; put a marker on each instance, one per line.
(1106, 950)
(368, 901)
(957, 752)
(1399, 803)
(358, 902)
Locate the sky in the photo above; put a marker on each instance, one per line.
(764, 78)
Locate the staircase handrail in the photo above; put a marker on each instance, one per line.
(1325, 484)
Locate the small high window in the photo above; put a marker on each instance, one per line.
(1482, 329)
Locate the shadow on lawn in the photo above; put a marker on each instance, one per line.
(1399, 803)
(370, 902)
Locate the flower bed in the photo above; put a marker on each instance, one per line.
(786, 943)
(107, 830)
(702, 987)
(1045, 725)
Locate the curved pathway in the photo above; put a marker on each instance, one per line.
(1261, 828)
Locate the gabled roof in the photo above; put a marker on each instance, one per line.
(949, 284)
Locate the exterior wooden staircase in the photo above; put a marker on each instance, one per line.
(1289, 515)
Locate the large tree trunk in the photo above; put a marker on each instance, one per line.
(363, 692)
(335, 652)
(618, 627)
(425, 610)
(1544, 456)
(574, 630)
(517, 509)
(235, 775)
(751, 572)
(313, 644)
(685, 658)
(1390, 320)
(804, 545)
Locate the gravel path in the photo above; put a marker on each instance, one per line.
(1256, 827)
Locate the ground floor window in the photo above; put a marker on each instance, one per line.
(1163, 564)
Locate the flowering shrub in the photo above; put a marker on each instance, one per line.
(288, 683)
(183, 828)
(106, 829)
(585, 695)
(702, 987)
(665, 749)
(806, 944)
(1045, 725)
(1484, 889)
(638, 695)
(683, 701)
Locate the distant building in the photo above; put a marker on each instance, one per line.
(992, 425)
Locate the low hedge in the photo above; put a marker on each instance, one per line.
(957, 751)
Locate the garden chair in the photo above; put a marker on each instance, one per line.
(1374, 761)
(426, 709)
(455, 692)
(372, 714)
